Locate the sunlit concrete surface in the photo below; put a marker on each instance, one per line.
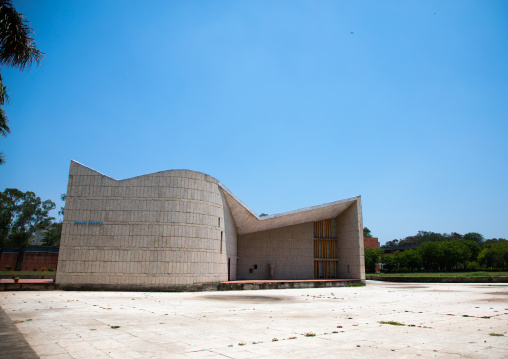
(440, 320)
(177, 229)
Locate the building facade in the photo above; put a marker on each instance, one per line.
(370, 242)
(181, 228)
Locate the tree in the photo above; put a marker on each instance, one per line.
(52, 235)
(63, 197)
(455, 235)
(419, 238)
(427, 236)
(430, 253)
(473, 236)
(372, 256)
(474, 247)
(17, 49)
(4, 125)
(410, 259)
(388, 262)
(366, 232)
(495, 255)
(392, 243)
(455, 254)
(22, 214)
(491, 241)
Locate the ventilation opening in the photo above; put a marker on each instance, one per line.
(221, 239)
(325, 229)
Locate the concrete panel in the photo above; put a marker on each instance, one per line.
(288, 249)
(136, 240)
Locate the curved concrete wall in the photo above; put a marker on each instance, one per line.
(166, 229)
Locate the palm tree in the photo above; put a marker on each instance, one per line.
(4, 121)
(17, 45)
(17, 49)
(4, 128)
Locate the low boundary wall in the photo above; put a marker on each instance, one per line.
(440, 279)
(220, 286)
(15, 287)
(33, 257)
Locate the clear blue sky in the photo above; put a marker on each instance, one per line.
(288, 103)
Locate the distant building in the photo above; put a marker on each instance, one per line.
(370, 242)
(36, 239)
(182, 228)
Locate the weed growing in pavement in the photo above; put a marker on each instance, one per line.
(391, 322)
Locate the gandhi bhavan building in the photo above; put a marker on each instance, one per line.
(180, 228)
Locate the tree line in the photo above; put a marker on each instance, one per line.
(22, 214)
(430, 251)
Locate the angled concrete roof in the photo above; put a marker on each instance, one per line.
(248, 222)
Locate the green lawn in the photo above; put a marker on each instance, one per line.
(442, 274)
(25, 272)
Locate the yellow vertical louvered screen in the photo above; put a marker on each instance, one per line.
(325, 250)
(324, 269)
(324, 228)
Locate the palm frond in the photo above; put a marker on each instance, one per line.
(2, 158)
(4, 93)
(17, 45)
(4, 123)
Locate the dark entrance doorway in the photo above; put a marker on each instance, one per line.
(229, 269)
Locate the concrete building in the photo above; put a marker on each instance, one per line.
(182, 228)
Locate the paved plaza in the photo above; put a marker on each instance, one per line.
(439, 320)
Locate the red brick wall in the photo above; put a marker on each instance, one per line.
(31, 260)
(38, 260)
(8, 259)
(370, 242)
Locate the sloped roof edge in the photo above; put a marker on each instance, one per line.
(221, 185)
(247, 221)
(285, 213)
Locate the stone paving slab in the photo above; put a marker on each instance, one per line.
(12, 343)
(443, 320)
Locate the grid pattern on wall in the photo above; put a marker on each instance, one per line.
(325, 249)
(163, 229)
(181, 228)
